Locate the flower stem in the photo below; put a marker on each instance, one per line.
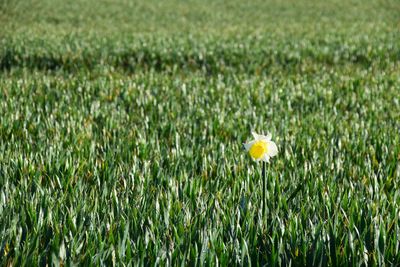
(264, 166)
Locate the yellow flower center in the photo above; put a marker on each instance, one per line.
(258, 149)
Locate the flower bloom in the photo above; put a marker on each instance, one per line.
(261, 148)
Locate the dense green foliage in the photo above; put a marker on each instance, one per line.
(122, 123)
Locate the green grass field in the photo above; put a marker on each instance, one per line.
(122, 124)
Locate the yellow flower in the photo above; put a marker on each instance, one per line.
(261, 148)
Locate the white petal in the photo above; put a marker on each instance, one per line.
(261, 137)
(265, 158)
(248, 145)
(272, 149)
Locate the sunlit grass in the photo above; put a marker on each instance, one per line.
(129, 149)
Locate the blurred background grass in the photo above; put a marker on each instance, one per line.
(104, 17)
(209, 36)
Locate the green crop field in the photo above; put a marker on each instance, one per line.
(122, 126)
